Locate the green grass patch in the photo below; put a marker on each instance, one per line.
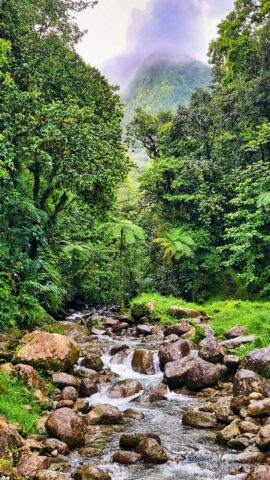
(224, 315)
(51, 329)
(162, 305)
(18, 404)
(253, 315)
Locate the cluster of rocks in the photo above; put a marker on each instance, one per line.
(64, 428)
(240, 407)
(71, 414)
(245, 413)
(137, 447)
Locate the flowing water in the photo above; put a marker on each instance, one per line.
(199, 457)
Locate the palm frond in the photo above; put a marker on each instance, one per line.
(125, 229)
(77, 251)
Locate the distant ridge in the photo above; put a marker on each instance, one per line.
(163, 84)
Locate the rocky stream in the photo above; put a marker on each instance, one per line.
(137, 401)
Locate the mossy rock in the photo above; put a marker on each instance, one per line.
(48, 351)
(8, 471)
(66, 328)
(141, 309)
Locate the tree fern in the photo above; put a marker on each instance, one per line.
(129, 232)
(77, 251)
(176, 243)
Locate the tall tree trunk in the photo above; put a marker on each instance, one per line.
(36, 188)
(122, 282)
(59, 206)
(34, 248)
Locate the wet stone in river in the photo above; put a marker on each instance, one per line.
(132, 440)
(93, 361)
(151, 451)
(104, 415)
(126, 457)
(173, 351)
(133, 414)
(198, 419)
(124, 388)
(66, 425)
(90, 472)
(88, 387)
(143, 362)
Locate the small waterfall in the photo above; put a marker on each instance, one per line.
(126, 372)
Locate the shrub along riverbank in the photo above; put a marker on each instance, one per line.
(18, 404)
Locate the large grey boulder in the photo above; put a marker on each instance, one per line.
(174, 372)
(246, 382)
(151, 451)
(173, 351)
(143, 361)
(132, 440)
(211, 350)
(66, 425)
(126, 458)
(144, 330)
(49, 351)
(198, 419)
(9, 438)
(203, 374)
(93, 361)
(30, 377)
(259, 361)
(222, 408)
(104, 415)
(124, 388)
(65, 380)
(91, 472)
(31, 464)
(250, 455)
(194, 372)
(236, 342)
(178, 328)
(236, 331)
(258, 408)
(228, 433)
(263, 437)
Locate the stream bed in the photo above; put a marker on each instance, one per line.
(198, 456)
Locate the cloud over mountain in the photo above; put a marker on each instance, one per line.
(167, 28)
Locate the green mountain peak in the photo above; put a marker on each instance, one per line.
(163, 84)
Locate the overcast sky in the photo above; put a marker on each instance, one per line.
(122, 33)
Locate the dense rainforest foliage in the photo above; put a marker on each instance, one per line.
(76, 225)
(61, 158)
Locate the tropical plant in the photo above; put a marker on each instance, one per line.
(176, 243)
